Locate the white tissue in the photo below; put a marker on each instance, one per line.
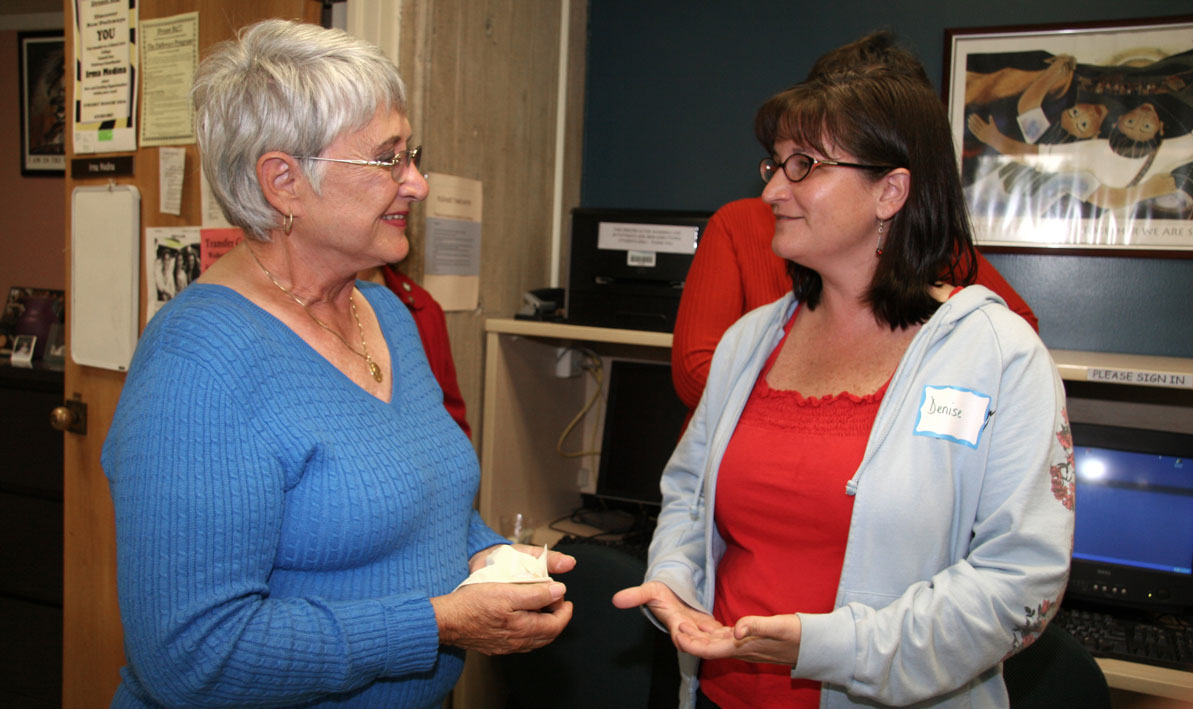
(508, 565)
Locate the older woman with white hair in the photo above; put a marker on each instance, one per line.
(293, 502)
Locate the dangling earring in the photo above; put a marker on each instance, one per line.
(288, 224)
(877, 250)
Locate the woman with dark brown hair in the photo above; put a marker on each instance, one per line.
(872, 502)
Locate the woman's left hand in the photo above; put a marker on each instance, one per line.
(557, 563)
(774, 639)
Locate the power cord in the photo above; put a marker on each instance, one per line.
(593, 367)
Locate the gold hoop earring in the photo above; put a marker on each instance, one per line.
(288, 223)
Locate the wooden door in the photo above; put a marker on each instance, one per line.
(92, 652)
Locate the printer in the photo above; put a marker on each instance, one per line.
(628, 266)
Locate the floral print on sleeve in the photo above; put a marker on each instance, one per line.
(1035, 620)
(1064, 473)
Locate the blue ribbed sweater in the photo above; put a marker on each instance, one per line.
(279, 530)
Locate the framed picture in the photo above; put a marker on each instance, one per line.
(31, 311)
(1076, 137)
(42, 66)
(22, 350)
(55, 351)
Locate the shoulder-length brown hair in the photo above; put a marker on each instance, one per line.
(885, 117)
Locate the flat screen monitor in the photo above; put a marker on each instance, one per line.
(643, 421)
(1133, 542)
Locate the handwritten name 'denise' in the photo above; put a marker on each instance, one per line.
(943, 410)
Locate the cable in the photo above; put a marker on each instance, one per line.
(596, 371)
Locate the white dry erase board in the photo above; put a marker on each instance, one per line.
(104, 261)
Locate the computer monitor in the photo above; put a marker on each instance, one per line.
(1133, 543)
(643, 421)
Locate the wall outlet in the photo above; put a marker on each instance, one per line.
(567, 362)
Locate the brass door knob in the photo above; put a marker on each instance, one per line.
(71, 416)
(61, 418)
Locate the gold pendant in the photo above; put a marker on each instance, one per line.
(375, 370)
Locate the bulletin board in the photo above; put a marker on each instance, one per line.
(105, 251)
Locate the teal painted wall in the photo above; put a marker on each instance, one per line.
(671, 91)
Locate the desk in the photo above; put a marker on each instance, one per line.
(526, 407)
(1112, 368)
(1144, 681)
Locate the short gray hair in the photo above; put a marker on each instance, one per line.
(283, 86)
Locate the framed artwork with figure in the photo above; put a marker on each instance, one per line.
(1076, 137)
(42, 66)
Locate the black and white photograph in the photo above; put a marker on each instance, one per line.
(173, 258)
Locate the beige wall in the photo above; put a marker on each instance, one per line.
(33, 234)
(484, 80)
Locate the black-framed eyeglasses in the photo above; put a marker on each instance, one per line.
(798, 166)
(396, 165)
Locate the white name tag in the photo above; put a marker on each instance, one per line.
(953, 414)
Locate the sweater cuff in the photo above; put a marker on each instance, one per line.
(680, 584)
(828, 646)
(399, 634)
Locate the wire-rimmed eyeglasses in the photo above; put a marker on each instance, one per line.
(798, 166)
(397, 164)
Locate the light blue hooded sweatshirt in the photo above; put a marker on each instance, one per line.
(962, 525)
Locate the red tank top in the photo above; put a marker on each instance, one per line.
(782, 510)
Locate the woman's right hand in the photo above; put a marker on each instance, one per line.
(502, 618)
(667, 607)
(772, 639)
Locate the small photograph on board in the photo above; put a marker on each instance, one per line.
(172, 254)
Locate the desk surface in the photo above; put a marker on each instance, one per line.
(1109, 367)
(584, 333)
(39, 377)
(1148, 679)
(1175, 372)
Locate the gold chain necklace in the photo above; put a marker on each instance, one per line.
(374, 369)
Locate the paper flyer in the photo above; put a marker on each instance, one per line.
(171, 169)
(213, 216)
(453, 245)
(214, 243)
(104, 115)
(169, 57)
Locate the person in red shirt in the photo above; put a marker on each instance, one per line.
(432, 329)
(735, 270)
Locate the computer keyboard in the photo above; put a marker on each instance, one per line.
(633, 544)
(1165, 641)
